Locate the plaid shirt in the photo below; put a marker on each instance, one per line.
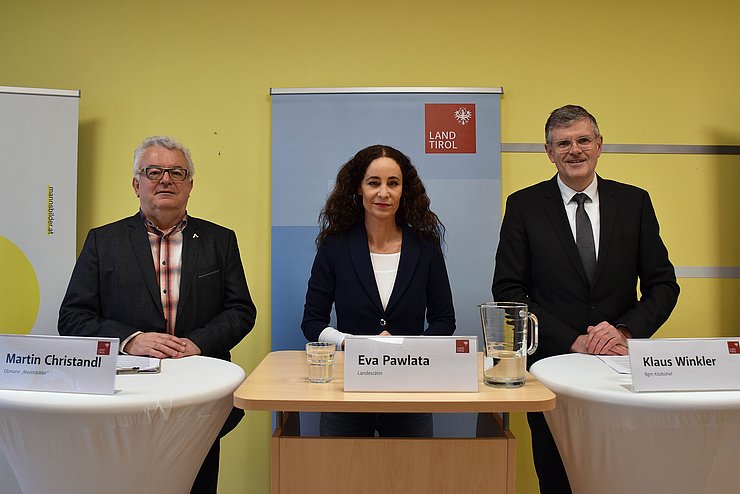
(167, 255)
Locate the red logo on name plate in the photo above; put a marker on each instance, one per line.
(104, 348)
(462, 346)
(450, 128)
(733, 347)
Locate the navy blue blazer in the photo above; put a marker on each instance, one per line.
(114, 291)
(342, 275)
(537, 263)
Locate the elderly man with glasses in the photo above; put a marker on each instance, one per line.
(574, 248)
(167, 284)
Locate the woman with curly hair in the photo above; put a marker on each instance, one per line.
(380, 264)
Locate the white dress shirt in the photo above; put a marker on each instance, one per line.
(592, 208)
(385, 267)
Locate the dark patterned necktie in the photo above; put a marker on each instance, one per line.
(585, 237)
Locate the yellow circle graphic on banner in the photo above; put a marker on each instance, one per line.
(19, 290)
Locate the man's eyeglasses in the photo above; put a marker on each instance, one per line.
(155, 173)
(584, 143)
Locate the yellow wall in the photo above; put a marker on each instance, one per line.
(652, 72)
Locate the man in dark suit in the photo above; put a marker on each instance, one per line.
(577, 266)
(166, 284)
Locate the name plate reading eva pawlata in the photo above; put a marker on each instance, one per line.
(685, 364)
(411, 363)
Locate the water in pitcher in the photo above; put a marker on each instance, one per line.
(507, 371)
(506, 328)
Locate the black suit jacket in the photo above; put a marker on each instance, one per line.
(537, 263)
(114, 292)
(342, 274)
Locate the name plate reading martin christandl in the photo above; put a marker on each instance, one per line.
(411, 363)
(58, 363)
(685, 364)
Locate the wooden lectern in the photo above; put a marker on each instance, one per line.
(303, 464)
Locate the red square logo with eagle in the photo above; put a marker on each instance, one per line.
(450, 128)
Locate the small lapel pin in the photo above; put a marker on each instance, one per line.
(195, 235)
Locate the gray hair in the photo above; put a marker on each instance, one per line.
(565, 117)
(167, 143)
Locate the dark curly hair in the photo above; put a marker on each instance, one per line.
(342, 210)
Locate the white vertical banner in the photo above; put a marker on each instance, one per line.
(453, 137)
(38, 205)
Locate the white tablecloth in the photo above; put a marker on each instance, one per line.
(613, 440)
(151, 436)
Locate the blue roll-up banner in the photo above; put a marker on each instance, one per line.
(453, 137)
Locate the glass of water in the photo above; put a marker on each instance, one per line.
(320, 359)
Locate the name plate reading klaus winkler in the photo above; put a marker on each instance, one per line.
(411, 363)
(685, 364)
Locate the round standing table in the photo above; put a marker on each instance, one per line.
(614, 440)
(150, 436)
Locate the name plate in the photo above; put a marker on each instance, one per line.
(685, 364)
(58, 363)
(411, 363)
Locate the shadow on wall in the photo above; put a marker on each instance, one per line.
(727, 202)
(727, 207)
(87, 176)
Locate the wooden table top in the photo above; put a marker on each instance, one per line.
(280, 383)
